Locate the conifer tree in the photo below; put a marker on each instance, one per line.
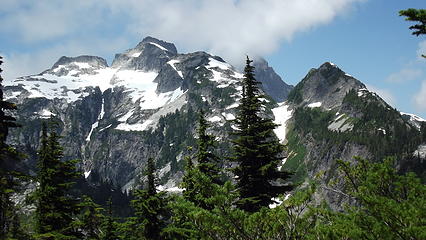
(90, 219)
(149, 207)
(256, 149)
(109, 226)
(55, 208)
(207, 161)
(198, 180)
(8, 178)
(416, 15)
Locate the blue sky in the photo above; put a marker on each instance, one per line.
(365, 38)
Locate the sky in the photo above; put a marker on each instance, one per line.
(365, 38)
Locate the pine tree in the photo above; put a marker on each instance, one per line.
(256, 149)
(55, 208)
(8, 178)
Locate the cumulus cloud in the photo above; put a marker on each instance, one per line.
(232, 28)
(385, 94)
(420, 97)
(228, 28)
(405, 75)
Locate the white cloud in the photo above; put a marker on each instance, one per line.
(420, 97)
(404, 75)
(385, 94)
(228, 28)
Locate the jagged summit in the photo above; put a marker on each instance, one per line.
(272, 83)
(167, 46)
(325, 86)
(91, 60)
(149, 55)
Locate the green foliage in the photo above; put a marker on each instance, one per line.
(256, 150)
(150, 211)
(416, 15)
(55, 208)
(9, 184)
(90, 219)
(109, 225)
(389, 205)
(295, 159)
(400, 139)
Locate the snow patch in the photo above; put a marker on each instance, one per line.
(215, 119)
(134, 127)
(228, 116)
(159, 46)
(282, 115)
(315, 104)
(87, 173)
(172, 63)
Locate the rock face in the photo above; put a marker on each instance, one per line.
(334, 116)
(271, 81)
(113, 118)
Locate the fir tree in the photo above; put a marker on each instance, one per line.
(90, 219)
(55, 208)
(8, 178)
(207, 161)
(109, 226)
(416, 15)
(198, 180)
(256, 149)
(149, 207)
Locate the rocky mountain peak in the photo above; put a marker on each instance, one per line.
(159, 43)
(76, 66)
(271, 81)
(325, 86)
(91, 60)
(149, 56)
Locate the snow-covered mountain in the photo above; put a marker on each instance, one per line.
(146, 103)
(104, 108)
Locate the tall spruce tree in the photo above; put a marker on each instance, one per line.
(55, 208)
(256, 149)
(8, 178)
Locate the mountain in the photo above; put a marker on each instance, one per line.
(145, 104)
(113, 118)
(330, 115)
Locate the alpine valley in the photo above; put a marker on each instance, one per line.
(146, 104)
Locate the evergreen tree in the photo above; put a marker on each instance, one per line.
(256, 149)
(55, 208)
(149, 207)
(109, 226)
(207, 161)
(90, 219)
(198, 180)
(416, 15)
(8, 178)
